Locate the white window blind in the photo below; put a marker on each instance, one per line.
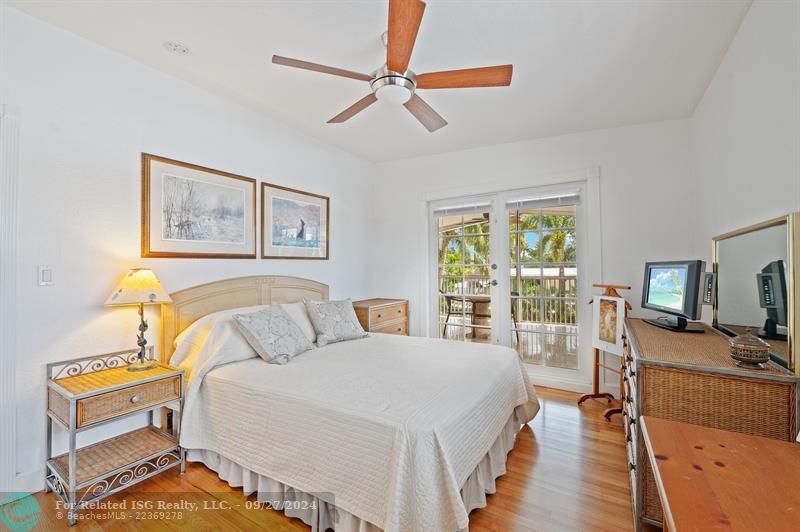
(462, 210)
(550, 200)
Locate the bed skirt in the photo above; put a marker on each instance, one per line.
(321, 515)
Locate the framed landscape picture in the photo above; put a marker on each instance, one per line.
(294, 224)
(196, 212)
(609, 316)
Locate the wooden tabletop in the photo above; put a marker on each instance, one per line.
(710, 479)
(110, 378)
(378, 302)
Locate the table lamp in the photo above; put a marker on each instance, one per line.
(140, 286)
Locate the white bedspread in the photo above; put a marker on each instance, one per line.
(391, 425)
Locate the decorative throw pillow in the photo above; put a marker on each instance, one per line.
(273, 334)
(334, 321)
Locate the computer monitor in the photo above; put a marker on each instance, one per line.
(772, 298)
(673, 287)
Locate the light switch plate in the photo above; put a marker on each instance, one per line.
(46, 276)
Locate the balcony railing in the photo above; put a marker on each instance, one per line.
(543, 300)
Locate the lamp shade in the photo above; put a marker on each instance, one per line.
(139, 286)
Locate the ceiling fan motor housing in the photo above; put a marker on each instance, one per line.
(393, 87)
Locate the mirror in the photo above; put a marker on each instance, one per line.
(755, 285)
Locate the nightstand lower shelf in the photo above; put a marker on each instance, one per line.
(114, 464)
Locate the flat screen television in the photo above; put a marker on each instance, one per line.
(673, 287)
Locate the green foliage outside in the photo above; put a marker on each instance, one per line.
(535, 240)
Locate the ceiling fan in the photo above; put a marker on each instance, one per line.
(394, 82)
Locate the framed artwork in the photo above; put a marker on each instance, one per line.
(608, 318)
(294, 224)
(195, 212)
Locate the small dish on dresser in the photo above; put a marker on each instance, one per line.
(749, 351)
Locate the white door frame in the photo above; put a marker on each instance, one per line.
(589, 243)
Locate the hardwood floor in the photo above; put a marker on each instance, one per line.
(568, 471)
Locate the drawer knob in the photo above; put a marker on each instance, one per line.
(399, 329)
(399, 311)
(135, 399)
(380, 315)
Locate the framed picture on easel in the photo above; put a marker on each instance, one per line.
(607, 321)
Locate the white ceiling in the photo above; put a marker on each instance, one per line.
(578, 65)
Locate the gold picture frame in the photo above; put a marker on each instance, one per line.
(299, 224)
(191, 211)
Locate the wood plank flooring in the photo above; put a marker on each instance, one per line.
(568, 471)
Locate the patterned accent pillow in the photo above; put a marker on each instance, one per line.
(273, 334)
(334, 321)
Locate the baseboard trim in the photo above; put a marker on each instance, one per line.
(567, 384)
(29, 482)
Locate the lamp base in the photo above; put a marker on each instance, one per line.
(142, 365)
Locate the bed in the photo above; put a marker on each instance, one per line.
(382, 433)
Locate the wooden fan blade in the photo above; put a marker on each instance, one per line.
(493, 76)
(405, 17)
(425, 114)
(305, 65)
(354, 109)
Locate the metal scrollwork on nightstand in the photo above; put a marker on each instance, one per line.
(79, 366)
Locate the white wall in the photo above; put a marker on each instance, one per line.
(746, 130)
(648, 199)
(86, 113)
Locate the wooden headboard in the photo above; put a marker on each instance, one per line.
(191, 304)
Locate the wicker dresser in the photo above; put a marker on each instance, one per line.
(692, 379)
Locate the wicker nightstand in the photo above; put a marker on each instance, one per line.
(88, 392)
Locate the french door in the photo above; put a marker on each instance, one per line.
(506, 272)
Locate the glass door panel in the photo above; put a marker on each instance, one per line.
(464, 280)
(543, 285)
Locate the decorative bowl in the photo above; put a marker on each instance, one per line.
(749, 351)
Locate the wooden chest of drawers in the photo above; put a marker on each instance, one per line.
(692, 379)
(383, 315)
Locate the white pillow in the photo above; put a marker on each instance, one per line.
(214, 332)
(299, 314)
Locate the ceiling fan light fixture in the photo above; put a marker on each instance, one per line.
(392, 87)
(393, 94)
(394, 82)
